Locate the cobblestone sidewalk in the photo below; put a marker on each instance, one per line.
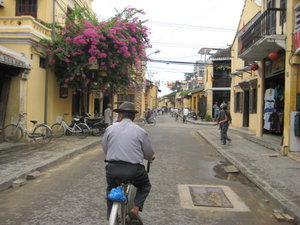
(19, 160)
(275, 174)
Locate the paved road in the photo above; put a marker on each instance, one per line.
(74, 192)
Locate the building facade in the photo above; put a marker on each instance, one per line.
(33, 88)
(265, 64)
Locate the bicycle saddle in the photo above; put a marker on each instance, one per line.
(120, 181)
(33, 121)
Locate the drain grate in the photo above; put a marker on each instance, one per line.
(209, 197)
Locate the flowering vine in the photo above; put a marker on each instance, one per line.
(85, 48)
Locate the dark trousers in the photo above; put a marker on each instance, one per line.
(224, 128)
(135, 173)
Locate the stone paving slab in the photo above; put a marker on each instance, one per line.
(17, 161)
(278, 176)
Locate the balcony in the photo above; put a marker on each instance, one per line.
(264, 36)
(23, 27)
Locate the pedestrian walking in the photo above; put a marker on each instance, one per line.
(108, 115)
(186, 112)
(215, 106)
(223, 120)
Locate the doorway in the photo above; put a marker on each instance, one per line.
(4, 93)
(246, 109)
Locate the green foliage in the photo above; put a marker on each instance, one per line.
(207, 118)
(85, 48)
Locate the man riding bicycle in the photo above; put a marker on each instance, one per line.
(148, 115)
(126, 145)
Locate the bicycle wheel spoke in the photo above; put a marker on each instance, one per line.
(12, 133)
(57, 130)
(41, 134)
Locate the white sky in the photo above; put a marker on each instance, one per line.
(179, 29)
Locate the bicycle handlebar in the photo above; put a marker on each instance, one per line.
(148, 166)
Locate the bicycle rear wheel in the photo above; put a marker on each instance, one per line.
(57, 130)
(12, 133)
(42, 134)
(117, 214)
(141, 121)
(81, 130)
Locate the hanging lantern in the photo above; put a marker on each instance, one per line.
(103, 73)
(273, 56)
(254, 67)
(93, 65)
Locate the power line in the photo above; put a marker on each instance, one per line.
(184, 45)
(177, 62)
(186, 26)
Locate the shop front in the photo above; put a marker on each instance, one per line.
(274, 82)
(13, 66)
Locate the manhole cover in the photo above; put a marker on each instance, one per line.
(209, 197)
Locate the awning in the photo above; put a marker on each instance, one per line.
(240, 71)
(12, 58)
(218, 89)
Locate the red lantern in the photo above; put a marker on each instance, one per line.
(273, 56)
(254, 67)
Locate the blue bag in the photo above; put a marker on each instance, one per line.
(116, 194)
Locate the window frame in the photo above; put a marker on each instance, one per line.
(29, 8)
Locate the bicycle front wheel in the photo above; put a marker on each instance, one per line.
(57, 130)
(12, 133)
(42, 134)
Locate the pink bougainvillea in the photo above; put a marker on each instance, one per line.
(117, 46)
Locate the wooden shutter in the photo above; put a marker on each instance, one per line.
(236, 103)
(26, 8)
(251, 101)
(241, 102)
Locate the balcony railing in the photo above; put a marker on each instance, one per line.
(25, 25)
(271, 22)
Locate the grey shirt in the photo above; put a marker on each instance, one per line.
(126, 141)
(107, 115)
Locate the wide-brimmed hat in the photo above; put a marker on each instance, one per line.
(126, 107)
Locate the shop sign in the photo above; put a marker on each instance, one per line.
(297, 42)
(274, 67)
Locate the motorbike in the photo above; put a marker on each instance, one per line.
(96, 125)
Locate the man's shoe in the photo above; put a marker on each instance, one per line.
(134, 218)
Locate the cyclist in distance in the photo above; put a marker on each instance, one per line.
(148, 114)
(126, 145)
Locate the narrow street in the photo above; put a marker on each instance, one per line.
(74, 191)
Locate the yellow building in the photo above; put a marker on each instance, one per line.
(265, 63)
(151, 95)
(32, 87)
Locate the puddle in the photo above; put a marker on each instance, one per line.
(236, 177)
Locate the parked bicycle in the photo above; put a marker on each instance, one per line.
(75, 128)
(40, 133)
(122, 206)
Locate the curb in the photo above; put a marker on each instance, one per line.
(259, 182)
(6, 184)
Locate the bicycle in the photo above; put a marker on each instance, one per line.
(40, 133)
(77, 128)
(121, 208)
(142, 121)
(176, 117)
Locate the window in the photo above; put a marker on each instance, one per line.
(238, 102)
(125, 98)
(253, 101)
(43, 63)
(26, 8)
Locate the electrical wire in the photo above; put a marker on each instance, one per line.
(186, 26)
